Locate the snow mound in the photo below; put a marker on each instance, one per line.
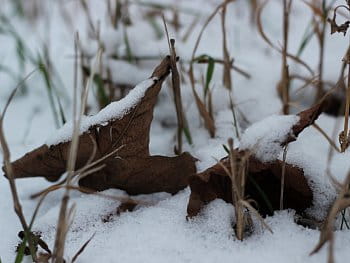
(264, 138)
(114, 110)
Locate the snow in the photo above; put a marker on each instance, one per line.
(158, 231)
(264, 138)
(115, 110)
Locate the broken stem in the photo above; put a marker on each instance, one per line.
(283, 176)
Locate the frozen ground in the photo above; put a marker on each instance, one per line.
(159, 232)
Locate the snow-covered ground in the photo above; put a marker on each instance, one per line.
(159, 231)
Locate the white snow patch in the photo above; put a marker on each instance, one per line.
(114, 110)
(264, 138)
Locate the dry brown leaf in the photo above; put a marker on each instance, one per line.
(134, 171)
(215, 183)
(263, 179)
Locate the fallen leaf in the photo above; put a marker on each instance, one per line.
(131, 168)
(263, 186)
(263, 179)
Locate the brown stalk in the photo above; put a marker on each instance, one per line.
(175, 80)
(285, 81)
(327, 234)
(237, 174)
(8, 168)
(236, 190)
(237, 180)
(254, 4)
(227, 78)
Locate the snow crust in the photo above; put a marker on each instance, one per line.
(264, 138)
(115, 110)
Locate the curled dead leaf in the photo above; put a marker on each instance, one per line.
(307, 118)
(343, 28)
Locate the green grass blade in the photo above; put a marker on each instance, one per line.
(308, 34)
(20, 252)
(156, 27)
(262, 194)
(209, 76)
(188, 136)
(46, 76)
(226, 149)
(101, 93)
(129, 53)
(18, 8)
(61, 111)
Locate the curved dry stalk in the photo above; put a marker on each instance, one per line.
(81, 250)
(330, 141)
(217, 9)
(90, 165)
(208, 121)
(9, 171)
(327, 234)
(269, 42)
(91, 171)
(48, 189)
